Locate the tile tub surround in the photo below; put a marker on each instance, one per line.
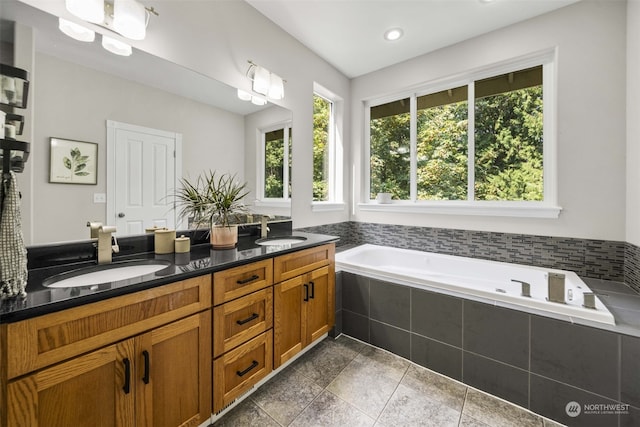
(536, 362)
(600, 259)
(345, 382)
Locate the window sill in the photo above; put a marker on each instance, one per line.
(273, 203)
(327, 206)
(501, 209)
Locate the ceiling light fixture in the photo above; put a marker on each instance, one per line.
(129, 18)
(393, 34)
(265, 83)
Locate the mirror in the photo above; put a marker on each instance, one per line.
(78, 87)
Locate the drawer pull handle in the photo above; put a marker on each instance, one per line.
(306, 292)
(248, 319)
(246, 371)
(145, 377)
(247, 280)
(127, 376)
(313, 290)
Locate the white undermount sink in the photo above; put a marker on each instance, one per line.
(283, 240)
(105, 273)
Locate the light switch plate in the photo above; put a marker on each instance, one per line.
(99, 198)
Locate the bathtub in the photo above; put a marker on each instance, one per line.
(487, 281)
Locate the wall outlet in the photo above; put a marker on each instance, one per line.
(99, 198)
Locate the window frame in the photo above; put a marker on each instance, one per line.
(284, 201)
(547, 208)
(335, 156)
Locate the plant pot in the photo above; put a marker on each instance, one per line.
(383, 198)
(224, 237)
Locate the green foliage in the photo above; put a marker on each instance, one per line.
(321, 119)
(508, 150)
(76, 163)
(274, 173)
(212, 199)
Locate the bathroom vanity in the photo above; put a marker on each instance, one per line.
(165, 350)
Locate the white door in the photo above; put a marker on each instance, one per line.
(141, 177)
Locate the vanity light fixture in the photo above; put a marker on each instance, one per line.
(265, 83)
(129, 18)
(116, 46)
(88, 10)
(393, 34)
(76, 31)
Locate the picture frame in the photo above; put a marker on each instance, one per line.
(73, 162)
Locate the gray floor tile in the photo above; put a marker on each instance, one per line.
(329, 410)
(497, 413)
(437, 387)
(467, 421)
(325, 361)
(383, 363)
(411, 407)
(366, 385)
(286, 395)
(246, 413)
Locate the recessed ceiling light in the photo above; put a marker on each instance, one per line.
(485, 1)
(393, 34)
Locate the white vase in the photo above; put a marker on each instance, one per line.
(383, 198)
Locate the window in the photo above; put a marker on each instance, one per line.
(484, 140)
(276, 146)
(327, 150)
(322, 124)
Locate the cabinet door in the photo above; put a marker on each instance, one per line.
(317, 310)
(93, 390)
(288, 332)
(173, 373)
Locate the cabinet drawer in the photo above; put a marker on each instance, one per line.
(297, 263)
(239, 281)
(238, 370)
(51, 338)
(240, 320)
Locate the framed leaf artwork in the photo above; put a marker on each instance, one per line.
(73, 162)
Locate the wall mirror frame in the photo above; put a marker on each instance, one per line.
(78, 87)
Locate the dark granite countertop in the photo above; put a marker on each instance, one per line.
(200, 261)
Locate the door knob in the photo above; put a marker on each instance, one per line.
(121, 215)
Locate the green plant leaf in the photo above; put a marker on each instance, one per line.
(66, 162)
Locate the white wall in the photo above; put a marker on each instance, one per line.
(590, 37)
(633, 122)
(74, 102)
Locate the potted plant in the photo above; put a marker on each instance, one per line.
(383, 196)
(215, 200)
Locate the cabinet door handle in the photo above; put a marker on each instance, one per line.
(248, 319)
(306, 292)
(145, 377)
(246, 371)
(247, 280)
(127, 376)
(313, 290)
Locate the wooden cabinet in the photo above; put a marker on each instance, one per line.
(304, 305)
(242, 330)
(159, 377)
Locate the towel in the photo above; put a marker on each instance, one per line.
(13, 253)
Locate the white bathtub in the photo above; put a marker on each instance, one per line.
(460, 276)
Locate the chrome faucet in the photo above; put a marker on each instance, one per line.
(105, 247)
(556, 287)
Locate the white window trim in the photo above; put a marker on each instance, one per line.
(261, 200)
(548, 208)
(336, 153)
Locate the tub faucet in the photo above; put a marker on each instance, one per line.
(556, 287)
(104, 246)
(526, 288)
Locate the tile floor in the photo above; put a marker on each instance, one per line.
(344, 382)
